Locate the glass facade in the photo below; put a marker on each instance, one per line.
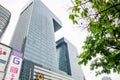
(19, 36)
(27, 70)
(40, 45)
(4, 19)
(64, 62)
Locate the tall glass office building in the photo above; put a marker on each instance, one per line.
(34, 35)
(68, 61)
(40, 42)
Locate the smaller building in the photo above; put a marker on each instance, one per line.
(67, 57)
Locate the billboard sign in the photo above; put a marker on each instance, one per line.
(4, 56)
(14, 66)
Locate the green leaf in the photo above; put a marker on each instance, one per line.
(76, 9)
(85, 12)
(71, 16)
(75, 22)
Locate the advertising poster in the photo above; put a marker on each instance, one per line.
(4, 56)
(14, 66)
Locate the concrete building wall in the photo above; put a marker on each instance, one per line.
(76, 69)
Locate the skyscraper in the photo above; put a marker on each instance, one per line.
(40, 42)
(34, 35)
(68, 59)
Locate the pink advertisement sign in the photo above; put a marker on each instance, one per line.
(14, 66)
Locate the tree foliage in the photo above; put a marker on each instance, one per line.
(102, 46)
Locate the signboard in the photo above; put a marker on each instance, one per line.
(40, 77)
(4, 56)
(14, 66)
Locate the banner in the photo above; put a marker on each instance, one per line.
(4, 56)
(14, 66)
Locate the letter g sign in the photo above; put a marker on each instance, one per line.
(16, 60)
